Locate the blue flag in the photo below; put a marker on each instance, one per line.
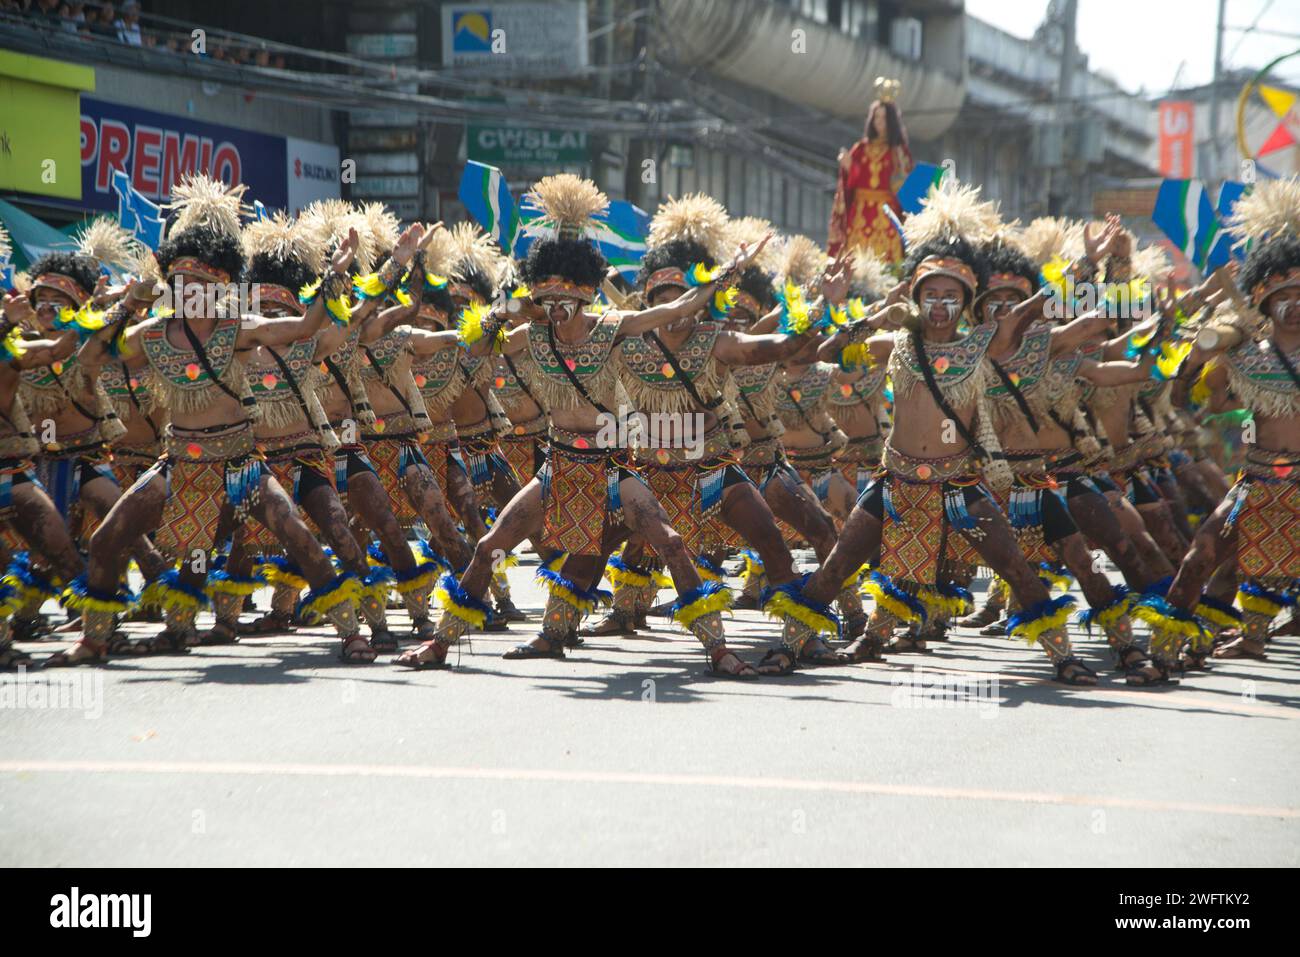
(1184, 213)
(137, 214)
(917, 186)
(1222, 248)
(486, 196)
(259, 210)
(620, 234)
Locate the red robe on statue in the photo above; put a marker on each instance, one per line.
(870, 174)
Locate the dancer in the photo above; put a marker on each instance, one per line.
(586, 496)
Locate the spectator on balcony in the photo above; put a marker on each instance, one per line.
(46, 13)
(101, 22)
(74, 18)
(128, 24)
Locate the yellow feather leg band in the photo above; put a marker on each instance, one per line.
(626, 577)
(566, 595)
(1112, 616)
(782, 606)
(1164, 624)
(237, 586)
(474, 617)
(1032, 630)
(1215, 616)
(718, 601)
(421, 582)
(278, 576)
(348, 590)
(889, 603)
(940, 605)
(1258, 605)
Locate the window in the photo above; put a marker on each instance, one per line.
(860, 18)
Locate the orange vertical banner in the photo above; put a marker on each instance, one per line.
(1177, 139)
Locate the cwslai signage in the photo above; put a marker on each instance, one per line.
(522, 146)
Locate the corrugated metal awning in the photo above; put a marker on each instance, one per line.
(749, 41)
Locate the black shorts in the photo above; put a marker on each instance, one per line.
(1141, 490)
(1057, 523)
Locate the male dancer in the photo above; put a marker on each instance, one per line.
(586, 497)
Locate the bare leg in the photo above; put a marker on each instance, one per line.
(276, 511)
(1152, 557)
(1099, 523)
(422, 490)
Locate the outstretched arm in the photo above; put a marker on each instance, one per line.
(691, 301)
(1115, 373)
(381, 324)
(44, 352)
(426, 343)
(744, 349)
(94, 352)
(1080, 332)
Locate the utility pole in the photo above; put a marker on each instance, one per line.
(1213, 173)
(643, 148)
(1064, 94)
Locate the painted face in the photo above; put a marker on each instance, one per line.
(998, 304)
(942, 300)
(560, 310)
(48, 303)
(1284, 306)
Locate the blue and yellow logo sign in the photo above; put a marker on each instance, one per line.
(472, 32)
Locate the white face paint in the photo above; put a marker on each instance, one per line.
(951, 304)
(561, 309)
(1285, 303)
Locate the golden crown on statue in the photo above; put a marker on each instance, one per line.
(887, 90)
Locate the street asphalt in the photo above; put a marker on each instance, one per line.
(272, 752)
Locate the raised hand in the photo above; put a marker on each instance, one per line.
(141, 294)
(836, 278)
(1120, 243)
(19, 311)
(102, 295)
(407, 243)
(1094, 244)
(1030, 310)
(342, 259)
(744, 255)
(897, 294)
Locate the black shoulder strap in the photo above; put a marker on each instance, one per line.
(383, 377)
(297, 392)
(1016, 394)
(569, 373)
(86, 413)
(1286, 363)
(202, 355)
(825, 437)
(135, 401)
(340, 379)
(682, 376)
(510, 364)
(937, 394)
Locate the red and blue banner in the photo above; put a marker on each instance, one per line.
(157, 149)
